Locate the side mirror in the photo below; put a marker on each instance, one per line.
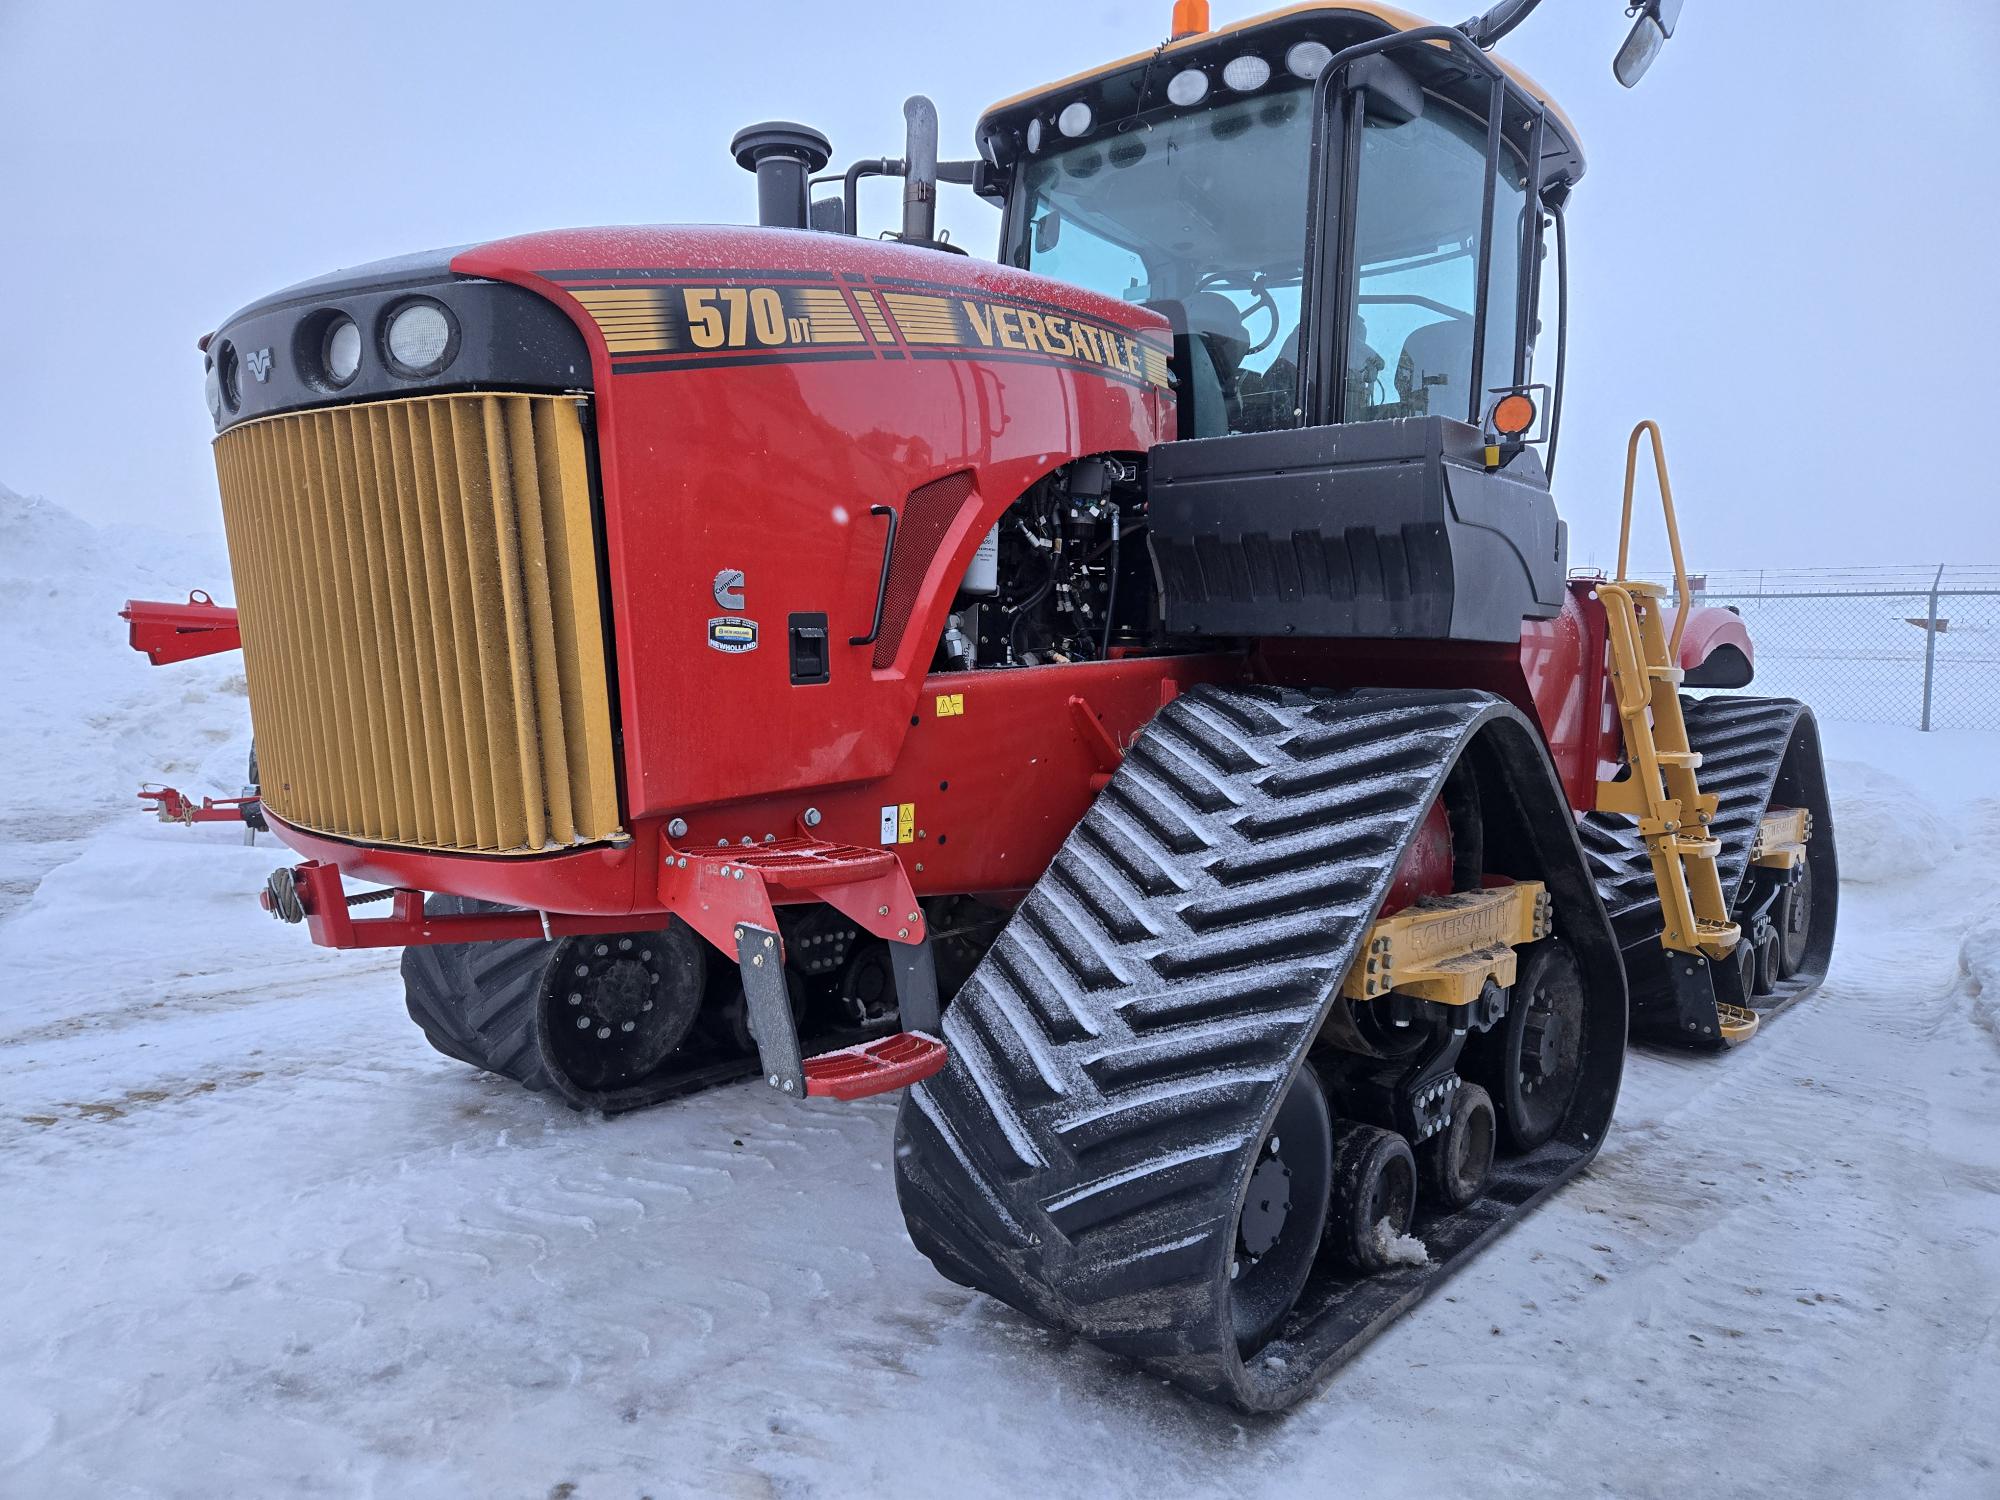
(1657, 19)
(1048, 229)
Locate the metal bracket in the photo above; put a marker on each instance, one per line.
(761, 961)
(915, 971)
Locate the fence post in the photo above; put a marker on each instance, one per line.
(1930, 648)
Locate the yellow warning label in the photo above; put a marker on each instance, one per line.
(906, 822)
(950, 705)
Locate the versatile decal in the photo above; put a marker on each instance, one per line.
(663, 319)
(732, 633)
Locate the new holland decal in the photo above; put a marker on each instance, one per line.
(654, 320)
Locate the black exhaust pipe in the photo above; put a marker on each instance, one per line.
(784, 156)
(920, 173)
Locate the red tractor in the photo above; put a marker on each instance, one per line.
(720, 647)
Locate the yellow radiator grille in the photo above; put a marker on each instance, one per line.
(417, 587)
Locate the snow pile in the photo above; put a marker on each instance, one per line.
(1888, 831)
(1979, 965)
(87, 717)
(1399, 1249)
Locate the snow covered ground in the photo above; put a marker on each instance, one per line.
(257, 1239)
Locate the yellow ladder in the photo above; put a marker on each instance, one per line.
(1661, 792)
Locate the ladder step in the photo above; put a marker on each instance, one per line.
(1689, 759)
(1666, 674)
(1697, 848)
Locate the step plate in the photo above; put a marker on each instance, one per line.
(875, 1067)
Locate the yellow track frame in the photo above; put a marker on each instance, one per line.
(1445, 948)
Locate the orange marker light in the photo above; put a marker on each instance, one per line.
(1190, 18)
(1513, 415)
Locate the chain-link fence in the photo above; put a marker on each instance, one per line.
(1917, 646)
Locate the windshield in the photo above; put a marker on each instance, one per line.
(1202, 217)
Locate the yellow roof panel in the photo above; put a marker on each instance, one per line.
(1390, 16)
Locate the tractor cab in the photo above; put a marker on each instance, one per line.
(1342, 211)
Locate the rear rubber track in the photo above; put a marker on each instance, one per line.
(481, 1003)
(1120, 1053)
(1755, 752)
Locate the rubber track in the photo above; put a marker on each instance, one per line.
(479, 1003)
(1121, 1050)
(1743, 743)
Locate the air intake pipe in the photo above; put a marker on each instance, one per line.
(920, 180)
(784, 156)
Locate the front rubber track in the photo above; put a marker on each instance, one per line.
(1125, 1044)
(1756, 753)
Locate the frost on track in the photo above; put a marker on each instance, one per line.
(1399, 1249)
(256, 1238)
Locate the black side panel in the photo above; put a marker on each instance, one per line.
(1370, 530)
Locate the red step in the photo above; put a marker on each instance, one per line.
(874, 1067)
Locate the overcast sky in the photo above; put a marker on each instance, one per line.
(1784, 249)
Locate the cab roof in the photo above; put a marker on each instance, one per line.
(1336, 23)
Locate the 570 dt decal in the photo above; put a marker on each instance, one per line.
(661, 320)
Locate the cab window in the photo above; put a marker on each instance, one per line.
(1417, 229)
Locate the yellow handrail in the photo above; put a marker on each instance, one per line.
(1652, 428)
(1633, 691)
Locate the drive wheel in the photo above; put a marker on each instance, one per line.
(616, 1007)
(1456, 1163)
(1283, 1215)
(1795, 924)
(1532, 1058)
(1374, 1185)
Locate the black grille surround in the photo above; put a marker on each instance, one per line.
(508, 338)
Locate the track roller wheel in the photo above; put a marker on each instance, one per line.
(868, 986)
(1455, 1164)
(729, 1022)
(1530, 1062)
(1374, 1195)
(1283, 1214)
(1769, 960)
(1795, 923)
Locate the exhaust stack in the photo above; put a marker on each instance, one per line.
(784, 156)
(920, 121)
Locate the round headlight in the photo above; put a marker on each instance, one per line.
(1307, 58)
(1246, 73)
(419, 338)
(1189, 86)
(1034, 136)
(1074, 120)
(340, 355)
(212, 388)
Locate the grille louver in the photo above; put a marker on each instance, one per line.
(417, 589)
